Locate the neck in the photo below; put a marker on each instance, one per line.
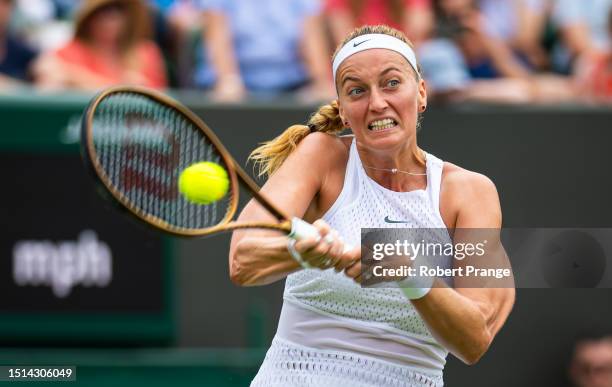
(397, 170)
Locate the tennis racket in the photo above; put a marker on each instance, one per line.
(136, 142)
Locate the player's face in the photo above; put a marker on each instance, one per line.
(380, 98)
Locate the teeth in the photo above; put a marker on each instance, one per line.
(382, 124)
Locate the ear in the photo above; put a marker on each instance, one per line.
(422, 94)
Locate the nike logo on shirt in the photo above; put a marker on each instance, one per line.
(387, 220)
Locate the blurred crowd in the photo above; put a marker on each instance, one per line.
(512, 51)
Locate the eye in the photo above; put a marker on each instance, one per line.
(393, 83)
(355, 91)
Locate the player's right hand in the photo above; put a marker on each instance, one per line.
(327, 251)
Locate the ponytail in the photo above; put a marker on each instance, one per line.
(270, 155)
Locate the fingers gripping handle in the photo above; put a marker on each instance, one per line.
(301, 229)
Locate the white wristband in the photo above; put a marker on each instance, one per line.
(296, 255)
(415, 293)
(415, 287)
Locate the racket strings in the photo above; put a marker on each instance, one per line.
(142, 146)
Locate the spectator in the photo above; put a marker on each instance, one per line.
(413, 17)
(110, 47)
(65, 8)
(178, 31)
(263, 47)
(591, 365)
(583, 29)
(15, 56)
(163, 5)
(487, 55)
(34, 12)
(594, 72)
(449, 80)
(165, 37)
(41, 23)
(519, 23)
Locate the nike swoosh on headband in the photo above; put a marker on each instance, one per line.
(357, 44)
(387, 220)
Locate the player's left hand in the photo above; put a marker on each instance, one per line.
(362, 271)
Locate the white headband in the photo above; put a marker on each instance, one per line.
(370, 41)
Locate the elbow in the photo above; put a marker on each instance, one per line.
(242, 268)
(251, 264)
(234, 273)
(235, 276)
(475, 350)
(479, 345)
(236, 266)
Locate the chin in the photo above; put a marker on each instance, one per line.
(386, 147)
(386, 139)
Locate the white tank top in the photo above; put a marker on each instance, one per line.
(327, 310)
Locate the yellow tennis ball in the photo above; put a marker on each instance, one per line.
(204, 182)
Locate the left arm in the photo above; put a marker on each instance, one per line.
(465, 320)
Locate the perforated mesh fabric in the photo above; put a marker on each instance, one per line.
(142, 145)
(365, 204)
(288, 364)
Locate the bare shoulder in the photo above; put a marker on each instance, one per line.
(468, 198)
(465, 183)
(323, 150)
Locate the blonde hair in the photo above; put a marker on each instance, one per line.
(270, 155)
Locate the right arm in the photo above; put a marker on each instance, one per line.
(259, 257)
(218, 38)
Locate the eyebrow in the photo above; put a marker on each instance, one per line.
(389, 69)
(349, 79)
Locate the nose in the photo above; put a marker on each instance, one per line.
(378, 102)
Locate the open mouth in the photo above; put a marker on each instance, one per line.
(385, 123)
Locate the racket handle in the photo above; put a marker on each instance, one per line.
(301, 229)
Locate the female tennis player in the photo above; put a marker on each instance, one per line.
(332, 330)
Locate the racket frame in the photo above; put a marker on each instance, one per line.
(292, 226)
